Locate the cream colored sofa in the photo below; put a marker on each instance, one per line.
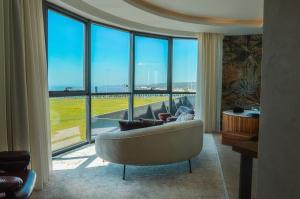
(168, 143)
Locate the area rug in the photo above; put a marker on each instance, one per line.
(230, 163)
(80, 174)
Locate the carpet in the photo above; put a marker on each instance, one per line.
(230, 164)
(81, 174)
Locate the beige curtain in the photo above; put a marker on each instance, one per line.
(209, 80)
(24, 98)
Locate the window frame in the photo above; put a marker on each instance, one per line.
(87, 70)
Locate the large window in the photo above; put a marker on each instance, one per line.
(186, 100)
(185, 60)
(68, 121)
(148, 106)
(107, 110)
(99, 75)
(151, 63)
(65, 53)
(66, 80)
(109, 60)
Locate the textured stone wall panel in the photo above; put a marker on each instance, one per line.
(241, 71)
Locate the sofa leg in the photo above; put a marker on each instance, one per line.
(124, 170)
(190, 166)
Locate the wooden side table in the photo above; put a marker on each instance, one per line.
(239, 126)
(248, 151)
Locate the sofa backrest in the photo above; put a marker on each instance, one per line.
(171, 142)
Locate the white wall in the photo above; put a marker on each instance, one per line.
(279, 142)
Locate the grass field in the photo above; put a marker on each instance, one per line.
(69, 112)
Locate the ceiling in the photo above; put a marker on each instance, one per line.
(173, 17)
(237, 9)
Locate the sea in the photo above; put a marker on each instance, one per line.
(181, 86)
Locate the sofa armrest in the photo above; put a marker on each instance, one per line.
(9, 184)
(14, 160)
(28, 185)
(14, 155)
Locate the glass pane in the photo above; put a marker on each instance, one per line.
(65, 53)
(148, 106)
(151, 63)
(186, 100)
(68, 121)
(185, 58)
(107, 110)
(110, 60)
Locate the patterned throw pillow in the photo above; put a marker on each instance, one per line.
(183, 109)
(185, 117)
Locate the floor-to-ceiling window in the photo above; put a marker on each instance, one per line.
(110, 61)
(184, 73)
(66, 80)
(99, 75)
(151, 81)
(184, 65)
(151, 63)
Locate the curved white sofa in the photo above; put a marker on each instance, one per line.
(168, 143)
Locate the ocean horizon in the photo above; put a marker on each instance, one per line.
(124, 88)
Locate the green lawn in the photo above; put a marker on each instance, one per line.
(69, 112)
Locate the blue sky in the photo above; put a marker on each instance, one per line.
(65, 51)
(151, 60)
(185, 53)
(110, 56)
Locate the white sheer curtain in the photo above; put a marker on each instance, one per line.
(209, 80)
(24, 121)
